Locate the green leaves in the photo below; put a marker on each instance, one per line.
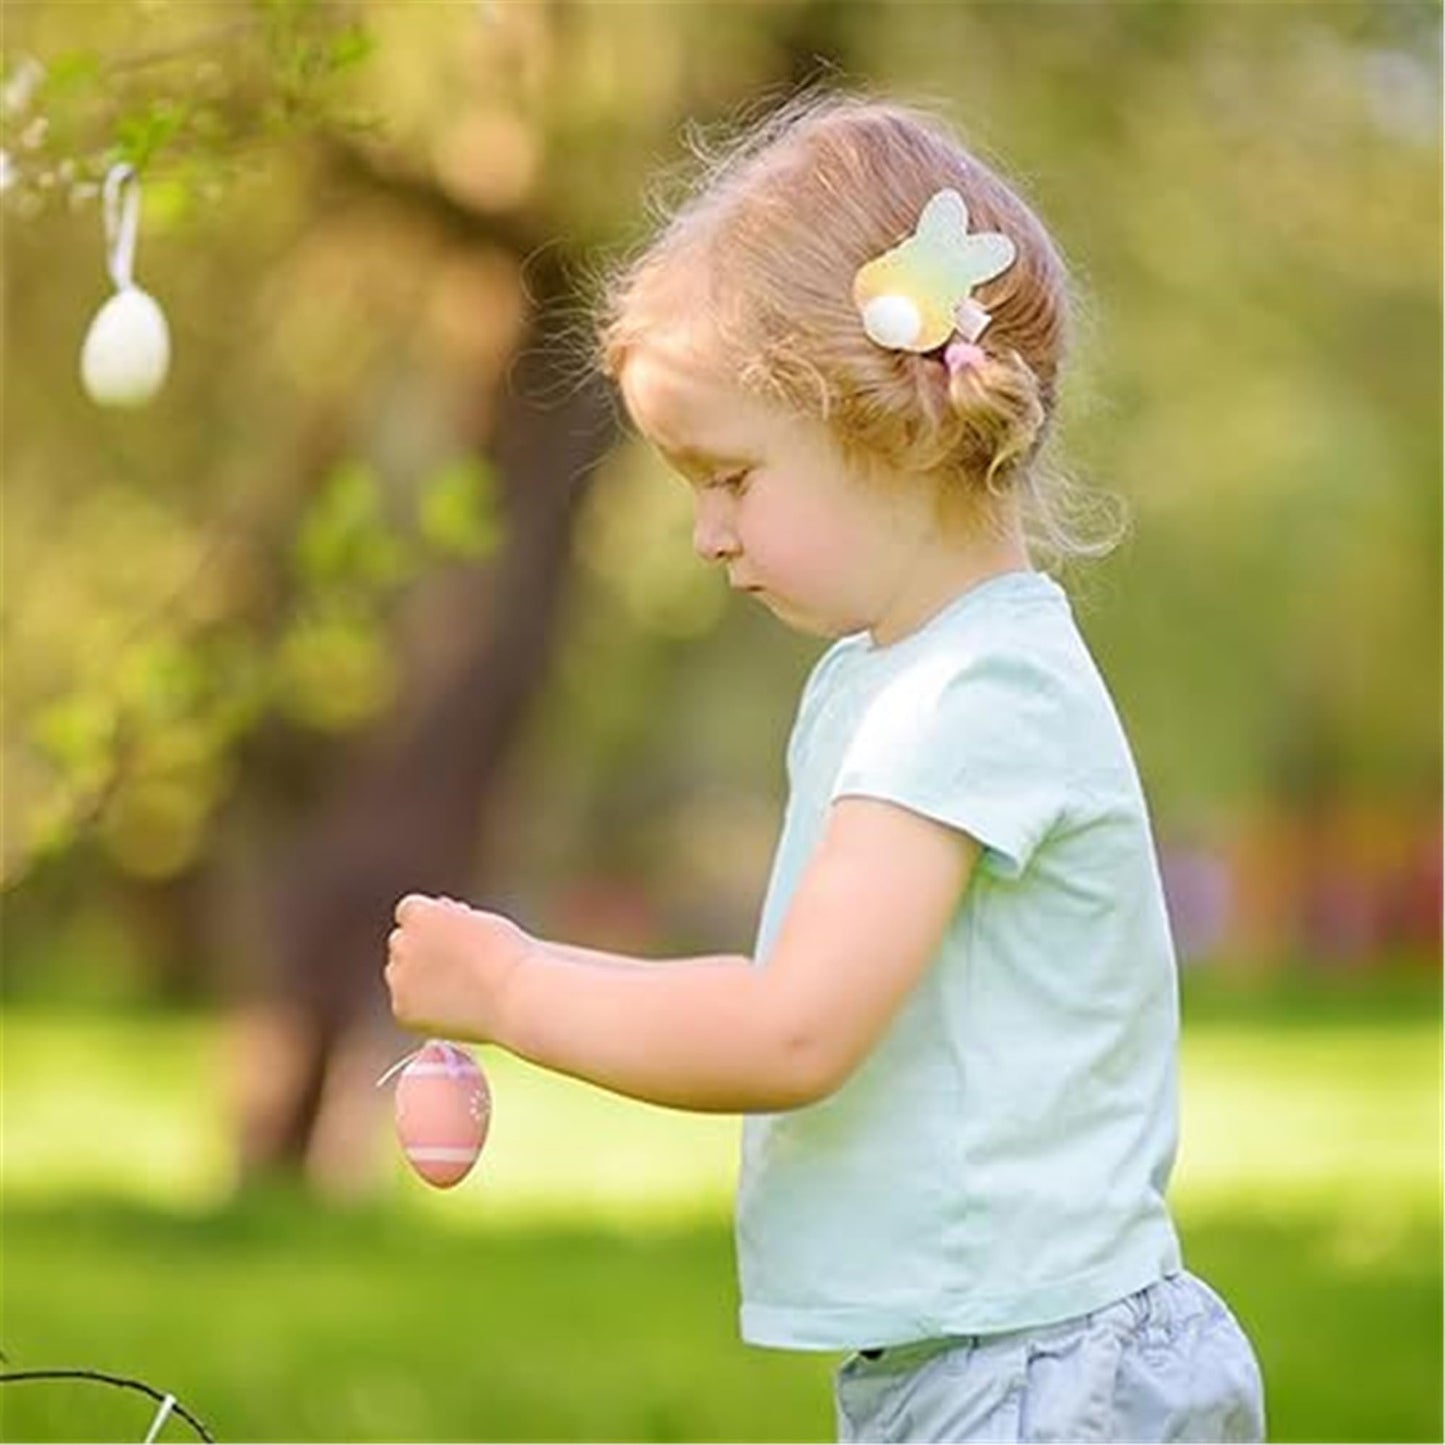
(356, 549)
(333, 668)
(75, 733)
(142, 749)
(141, 746)
(140, 136)
(175, 95)
(348, 541)
(457, 514)
(309, 45)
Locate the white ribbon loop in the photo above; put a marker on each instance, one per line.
(122, 219)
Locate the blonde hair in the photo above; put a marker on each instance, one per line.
(763, 249)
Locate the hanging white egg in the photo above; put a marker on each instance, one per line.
(127, 350)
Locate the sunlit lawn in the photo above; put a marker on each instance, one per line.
(580, 1286)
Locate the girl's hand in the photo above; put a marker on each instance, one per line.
(448, 967)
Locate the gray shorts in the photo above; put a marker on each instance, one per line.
(1167, 1363)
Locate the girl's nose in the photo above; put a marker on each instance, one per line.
(713, 538)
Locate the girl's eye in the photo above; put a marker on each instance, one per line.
(733, 482)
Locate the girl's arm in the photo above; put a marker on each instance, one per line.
(717, 1033)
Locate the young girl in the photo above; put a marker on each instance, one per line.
(955, 1040)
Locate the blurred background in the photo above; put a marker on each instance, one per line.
(380, 595)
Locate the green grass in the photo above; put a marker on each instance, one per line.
(275, 1321)
(580, 1285)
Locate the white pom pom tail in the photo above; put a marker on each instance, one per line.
(892, 321)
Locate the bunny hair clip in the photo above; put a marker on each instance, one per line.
(916, 296)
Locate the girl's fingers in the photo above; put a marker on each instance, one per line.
(409, 904)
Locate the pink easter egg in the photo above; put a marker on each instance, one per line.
(443, 1109)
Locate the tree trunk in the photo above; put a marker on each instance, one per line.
(407, 811)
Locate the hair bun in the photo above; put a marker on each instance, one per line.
(994, 418)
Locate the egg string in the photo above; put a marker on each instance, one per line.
(121, 224)
(400, 1064)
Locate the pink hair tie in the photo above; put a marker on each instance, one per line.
(963, 355)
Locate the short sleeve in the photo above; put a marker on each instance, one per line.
(979, 744)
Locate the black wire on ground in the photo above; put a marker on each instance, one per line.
(13, 1376)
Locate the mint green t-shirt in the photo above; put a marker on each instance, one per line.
(1000, 1158)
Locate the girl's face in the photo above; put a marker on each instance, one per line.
(774, 500)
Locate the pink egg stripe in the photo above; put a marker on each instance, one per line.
(439, 1154)
(426, 1069)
